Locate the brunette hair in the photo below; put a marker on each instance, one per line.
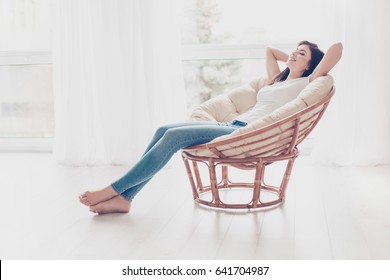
(316, 56)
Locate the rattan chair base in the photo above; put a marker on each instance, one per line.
(213, 189)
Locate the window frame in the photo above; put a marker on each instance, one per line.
(26, 144)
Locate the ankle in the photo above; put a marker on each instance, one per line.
(110, 190)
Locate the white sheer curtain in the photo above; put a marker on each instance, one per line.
(356, 128)
(117, 76)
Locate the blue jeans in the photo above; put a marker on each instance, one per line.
(166, 141)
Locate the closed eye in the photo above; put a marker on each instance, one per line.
(301, 51)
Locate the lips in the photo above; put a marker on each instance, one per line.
(291, 58)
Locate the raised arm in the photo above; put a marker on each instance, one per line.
(272, 56)
(330, 59)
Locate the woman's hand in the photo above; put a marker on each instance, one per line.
(272, 56)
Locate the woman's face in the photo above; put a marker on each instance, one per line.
(299, 59)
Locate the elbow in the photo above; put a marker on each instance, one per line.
(338, 48)
(269, 50)
(335, 51)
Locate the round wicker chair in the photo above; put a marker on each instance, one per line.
(273, 138)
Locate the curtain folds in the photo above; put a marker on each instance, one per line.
(356, 129)
(117, 76)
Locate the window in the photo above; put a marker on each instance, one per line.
(224, 41)
(26, 95)
(26, 102)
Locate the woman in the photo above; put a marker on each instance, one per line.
(304, 64)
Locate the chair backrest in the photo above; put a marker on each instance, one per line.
(226, 107)
(277, 133)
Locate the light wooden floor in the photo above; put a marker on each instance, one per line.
(330, 213)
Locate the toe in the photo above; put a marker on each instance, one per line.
(85, 201)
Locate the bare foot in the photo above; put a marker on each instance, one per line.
(92, 198)
(117, 204)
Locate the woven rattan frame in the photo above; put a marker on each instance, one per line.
(302, 123)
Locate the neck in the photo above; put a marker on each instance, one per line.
(294, 75)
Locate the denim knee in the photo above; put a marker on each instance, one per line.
(161, 131)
